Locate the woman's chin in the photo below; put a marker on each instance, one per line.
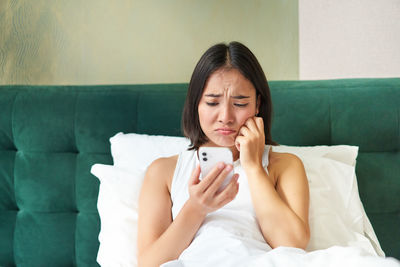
(224, 142)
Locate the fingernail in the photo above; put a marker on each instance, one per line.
(228, 168)
(221, 165)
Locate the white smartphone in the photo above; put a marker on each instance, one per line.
(210, 156)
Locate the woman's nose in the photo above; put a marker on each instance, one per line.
(225, 115)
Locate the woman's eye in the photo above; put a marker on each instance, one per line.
(212, 103)
(240, 105)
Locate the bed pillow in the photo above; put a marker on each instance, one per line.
(117, 205)
(345, 154)
(335, 214)
(119, 192)
(132, 153)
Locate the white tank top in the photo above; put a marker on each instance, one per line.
(235, 222)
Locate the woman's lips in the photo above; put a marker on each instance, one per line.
(225, 131)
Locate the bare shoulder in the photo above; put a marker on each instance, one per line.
(286, 163)
(162, 170)
(285, 159)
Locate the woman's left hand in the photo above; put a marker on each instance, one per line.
(251, 142)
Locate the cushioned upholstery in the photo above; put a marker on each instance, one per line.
(51, 135)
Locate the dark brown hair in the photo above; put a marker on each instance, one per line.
(232, 56)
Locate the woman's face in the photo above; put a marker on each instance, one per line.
(228, 100)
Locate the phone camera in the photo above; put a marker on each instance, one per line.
(205, 159)
(204, 154)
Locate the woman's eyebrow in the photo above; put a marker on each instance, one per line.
(240, 96)
(213, 95)
(235, 96)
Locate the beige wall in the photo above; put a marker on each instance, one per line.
(352, 39)
(128, 41)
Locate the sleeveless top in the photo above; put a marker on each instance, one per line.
(231, 228)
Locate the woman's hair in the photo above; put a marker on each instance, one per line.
(221, 56)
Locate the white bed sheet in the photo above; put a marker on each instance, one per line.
(335, 256)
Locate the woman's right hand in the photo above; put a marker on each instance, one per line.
(204, 194)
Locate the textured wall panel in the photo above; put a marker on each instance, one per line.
(138, 41)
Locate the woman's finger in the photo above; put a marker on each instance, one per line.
(250, 123)
(214, 187)
(244, 131)
(229, 193)
(211, 176)
(238, 140)
(260, 123)
(194, 178)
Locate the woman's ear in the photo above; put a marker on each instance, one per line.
(258, 102)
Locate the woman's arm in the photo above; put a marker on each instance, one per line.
(282, 212)
(161, 239)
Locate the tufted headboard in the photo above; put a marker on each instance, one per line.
(50, 136)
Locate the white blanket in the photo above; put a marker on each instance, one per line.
(287, 257)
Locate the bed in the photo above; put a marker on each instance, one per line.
(51, 136)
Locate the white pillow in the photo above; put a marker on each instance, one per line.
(357, 217)
(117, 205)
(343, 153)
(336, 212)
(335, 215)
(119, 192)
(136, 151)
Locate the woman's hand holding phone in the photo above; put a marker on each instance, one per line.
(209, 157)
(205, 194)
(250, 142)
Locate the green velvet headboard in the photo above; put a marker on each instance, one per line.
(50, 136)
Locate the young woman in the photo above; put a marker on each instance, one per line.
(228, 104)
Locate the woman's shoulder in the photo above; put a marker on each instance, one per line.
(164, 162)
(284, 158)
(162, 169)
(285, 162)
